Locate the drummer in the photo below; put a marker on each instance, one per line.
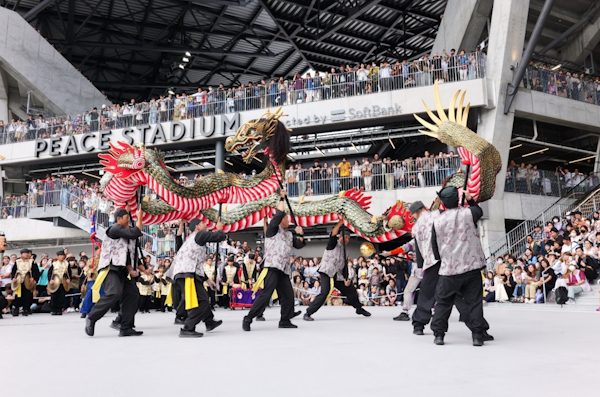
(25, 274)
(59, 274)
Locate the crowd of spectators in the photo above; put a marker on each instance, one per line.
(563, 252)
(527, 178)
(555, 81)
(347, 80)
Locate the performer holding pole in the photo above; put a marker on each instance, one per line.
(187, 271)
(331, 270)
(456, 234)
(277, 271)
(25, 274)
(176, 293)
(117, 274)
(58, 273)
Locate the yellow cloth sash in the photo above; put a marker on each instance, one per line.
(224, 291)
(158, 295)
(191, 298)
(98, 284)
(169, 300)
(18, 291)
(330, 288)
(260, 283)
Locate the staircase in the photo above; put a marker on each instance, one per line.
(81, 220)
(584, 197)
(584, 302)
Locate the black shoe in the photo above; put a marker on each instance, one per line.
(83, 315)
(89, 326)
(25, 314)
(130, 332)
(1, 316)
(287, 324)
(418, 331)
(478, 341)
(212, 325)
(246, 323)
(115, 325)
(260, 318)
(439, 340)
(307, 317)
(15, 313)
(487, 337)
(179, 320)
(296, 314)
(184, 333)
(363, 312)
(402, 317)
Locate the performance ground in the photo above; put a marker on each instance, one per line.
(550, 353)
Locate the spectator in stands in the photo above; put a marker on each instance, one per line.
(576, 281)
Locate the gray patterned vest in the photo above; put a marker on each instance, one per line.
(278, 250)
(332, 262)
(115, 251)
(189, 259)
(422, 231)
(458, 242)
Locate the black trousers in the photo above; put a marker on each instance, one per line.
(57, 300)
(118, 287)
(212, 299)
(145, 301)
(427, 299)
(160, 302)
(349, 292)
(178, 300)
(200, 313)
(275, 280)
(3, 303)
(467, 285)
(25, 301)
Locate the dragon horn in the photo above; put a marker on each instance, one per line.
(432, 115)
(465, 115)
(459, 111)
(452, 107)
(438, 103)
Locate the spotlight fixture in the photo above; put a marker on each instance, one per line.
(181, 66)
(556, 67)
(186, 59)
(228, 162)
(187, 54)
(516, 146)
(392, 143)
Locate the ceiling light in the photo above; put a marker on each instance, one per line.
(290, 157)
(171, 92)
(187, 54)
(583, 159)
(171, 168)
(196, 164)
(186, 59)
(354, 146)
(181, 66)
(556, 67)
(392, 143)
(536, 152)
(320, 150)
(516, 146)
(228, 162)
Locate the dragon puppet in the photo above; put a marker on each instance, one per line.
(128, 167)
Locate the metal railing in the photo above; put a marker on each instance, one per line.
(564, 84)
(217, 101)
(404, 174)
(576, 197)
(539, 182)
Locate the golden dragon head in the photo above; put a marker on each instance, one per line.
(452, 130)
(266, 134)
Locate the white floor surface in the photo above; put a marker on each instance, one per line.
(547, 353)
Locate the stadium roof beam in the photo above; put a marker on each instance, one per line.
(160, 48)
(31, 14)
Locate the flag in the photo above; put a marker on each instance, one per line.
(93, 236)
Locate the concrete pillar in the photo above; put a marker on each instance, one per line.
(4, 116)
(219, 155)
(462, 25)
(507, 37)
